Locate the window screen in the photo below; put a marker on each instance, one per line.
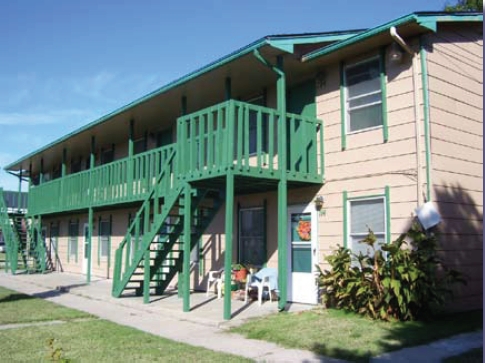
(252, 247)
(364, 95)
(365, 214)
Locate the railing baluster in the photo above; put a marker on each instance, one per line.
(292, 139)
(219, 121)
(201, 142)
(246, 136)
(210, 139)
(271, 136)
(240, 137)
(193, 144)
(306, 142)
(259, 138)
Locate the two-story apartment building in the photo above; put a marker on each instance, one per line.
(226, 163)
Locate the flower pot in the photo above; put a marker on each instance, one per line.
(241, 275)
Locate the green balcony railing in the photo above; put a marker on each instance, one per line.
(244, 137)
(123, 180)
(232, 134)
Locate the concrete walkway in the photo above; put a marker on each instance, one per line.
(203, 326)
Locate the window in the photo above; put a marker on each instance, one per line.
(72, 242)
(363, 95)
(164, 138)
(107, 156)
(252, 241)
(365, 214)
(76, 166)
(104, 239)
(139, 146)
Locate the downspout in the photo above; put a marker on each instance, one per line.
(282, 185)
(424, 75)
(419, 165)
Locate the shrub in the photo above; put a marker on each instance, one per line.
(397, 282)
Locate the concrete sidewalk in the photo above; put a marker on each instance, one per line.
(199, 327)
(203, 326)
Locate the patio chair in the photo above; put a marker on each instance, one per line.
(264, 279)
(215, 277)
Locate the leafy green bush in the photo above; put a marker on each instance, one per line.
(405, 280)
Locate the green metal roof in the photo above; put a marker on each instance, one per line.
(285, 42)
(427, 20)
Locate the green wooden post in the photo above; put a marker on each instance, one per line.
(188, 153)
(19, 195)
(282, 187)
(131, 142)
(187, 245)
(90, 241)
(146, 277)
(228, 250)
(41, 176)
(63, 176)
(228, 89)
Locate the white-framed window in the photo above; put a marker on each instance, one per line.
(363, 95)
(73, 238)
(365, 213)
(252, 241)
(104, 239)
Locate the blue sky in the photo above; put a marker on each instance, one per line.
(66, 63)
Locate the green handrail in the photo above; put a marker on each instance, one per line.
(132, 248)
(103, 185)
(10, 237)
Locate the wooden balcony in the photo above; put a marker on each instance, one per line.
(232, 135)
(245, 138)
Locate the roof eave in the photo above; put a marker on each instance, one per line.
(426, 20)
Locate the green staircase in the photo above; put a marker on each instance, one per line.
(25, 247)
(10, 236)
(151, 252)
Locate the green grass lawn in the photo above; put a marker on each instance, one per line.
(339, 334)
(83, 337)
(20, 308)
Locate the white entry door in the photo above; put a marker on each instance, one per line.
(85, 248)
(302, 254)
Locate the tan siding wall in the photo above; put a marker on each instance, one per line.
(368, 164)
(455, 67)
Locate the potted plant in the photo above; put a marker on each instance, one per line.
(240, 272)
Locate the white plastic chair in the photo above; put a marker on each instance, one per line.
(215, 277)
(260, 285)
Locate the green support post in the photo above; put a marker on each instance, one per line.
(282, 187)
(228, 88)
(131, 143)
(187, 244)
(146, 277)
(63, 174)
(90, 242)
(228, 253)
(183, 112)
(19, 196)
(41, 176)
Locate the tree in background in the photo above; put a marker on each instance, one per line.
(466, 5)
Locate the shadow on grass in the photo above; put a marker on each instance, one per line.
(341, 353)
(15, 297)
(59, 290)
(408, 334)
